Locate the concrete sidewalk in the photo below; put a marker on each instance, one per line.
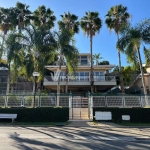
(78, 123)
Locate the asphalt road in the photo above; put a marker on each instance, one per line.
(80, 138)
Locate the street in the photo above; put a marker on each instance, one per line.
(45, 138)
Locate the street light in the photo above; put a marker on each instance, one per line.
(35, 74)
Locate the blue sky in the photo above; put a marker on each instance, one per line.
(103, 43)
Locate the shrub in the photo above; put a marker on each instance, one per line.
(39, 114)
(137, 115)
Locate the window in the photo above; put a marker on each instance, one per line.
(83, 62)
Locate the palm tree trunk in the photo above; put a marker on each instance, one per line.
(120, 70)
(142, 76)
(142, 73)
(8, 85)
(66, 90)
(58, 86)
(2, 45)
(92, 80)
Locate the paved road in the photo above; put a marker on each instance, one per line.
(47, 138)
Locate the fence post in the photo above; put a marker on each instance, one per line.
(70, 100)
(106, 101)
(39, 101)
(89, 104)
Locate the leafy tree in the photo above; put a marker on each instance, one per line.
(97, 57)
(105, 62)
(69, 21)
(35, 49)
(131, 40)
(67, 51)
(91, 24)
(117, 18)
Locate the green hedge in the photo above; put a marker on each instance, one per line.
(137, 115)
(40, 114)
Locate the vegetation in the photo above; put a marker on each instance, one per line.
(136, 114)
(29, 42)
(131, 40)
(117, 18)
(91, 24)
(40, 114)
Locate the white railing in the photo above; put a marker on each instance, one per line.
(82, 78)
(121, 101)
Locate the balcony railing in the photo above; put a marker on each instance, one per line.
(81, 79)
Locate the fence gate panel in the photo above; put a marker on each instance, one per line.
(79, 108)
(64, 101)
(132, 101)
(114, 101)
(99, 101)
(48, 101)
(145, 101)
(2, 101)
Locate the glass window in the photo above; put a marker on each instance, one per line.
(83, 62)
(101, 73)
(86, 73)
(81, 73)
(83, 57)
(96, 73)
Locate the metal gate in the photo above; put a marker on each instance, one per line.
(79, 108)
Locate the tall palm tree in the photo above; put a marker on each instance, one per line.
(96, 57)
(91, 24)
(69, 21)
(7, 22)
(67, 51)
(117, 18)
(23, 15)
(131, 40)
(43, 17)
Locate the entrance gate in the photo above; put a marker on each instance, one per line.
(79, 109)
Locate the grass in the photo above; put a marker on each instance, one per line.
(134, 124)
(36, 123)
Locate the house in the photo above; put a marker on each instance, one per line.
(80, 83)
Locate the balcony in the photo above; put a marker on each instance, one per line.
(81, 79)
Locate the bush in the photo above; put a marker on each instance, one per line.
(40, 114)
(137, 115)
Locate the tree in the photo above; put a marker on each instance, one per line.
(131, 40)
(67, 51)
(69, 21)
(91, 24)
(43, 17)
(96, 57)
(7, 22)
(117, 18)
(23, 15)
(35, 47)
(105, 62)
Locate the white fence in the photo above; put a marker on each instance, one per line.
(28, 101)
(120, 101)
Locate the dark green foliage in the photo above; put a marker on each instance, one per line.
(105, 62)
(137, 115)
(40, 114)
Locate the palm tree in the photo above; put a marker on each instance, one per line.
(117, 18)
(23, 15)
(67, 51)
(7, 22)
(35, 48)
(131, 40)
(69, 21)
(91, 24)
(96, 57)
(43, 17)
